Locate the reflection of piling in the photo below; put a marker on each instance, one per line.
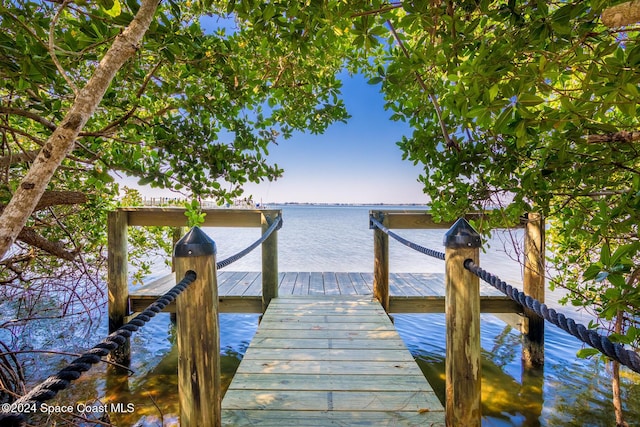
(462, 308)
(198, 332)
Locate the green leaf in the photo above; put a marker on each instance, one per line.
(585, 353)
(592, 271)
(113, 11)
(605, 254)
(146, 180)
(374, 80)
(529, 100)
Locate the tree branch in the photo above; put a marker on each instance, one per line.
(13, 159)
(445, 132)
(52, 49)
(622, 136)
(28, 114)
(30, 237)
(383, 9)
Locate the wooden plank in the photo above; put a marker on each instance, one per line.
(286, 381)
(399, 286)
(157, 287)
(302, 284)
(287, 283)
(435, 304)
(299, 400)
(316, 283)
(174, 216)
(416, 219)
(227, 304)
(246, 418)
(226, 281)
(253, 284)
(348, 366)
(294, 318)
(338, 343)
(234, 284)
(361, 285)
(345, 284)
(331, 286)
(333, 326)
(429, 284)
(333, 354)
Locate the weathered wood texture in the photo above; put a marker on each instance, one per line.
(420, 219)
(198, 337)
(534, 286)
(269, 262)
(240, 292)
(174, 216)
(329, 360)
(462, 288)
(117, 281)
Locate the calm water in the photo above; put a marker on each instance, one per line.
(568, 392)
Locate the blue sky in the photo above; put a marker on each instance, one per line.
(356, 162)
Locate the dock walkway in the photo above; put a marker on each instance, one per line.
(329, 360)
(240, 291)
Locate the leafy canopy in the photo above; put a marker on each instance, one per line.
(520, 105)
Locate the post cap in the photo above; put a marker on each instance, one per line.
(462, 235)
(195, 243)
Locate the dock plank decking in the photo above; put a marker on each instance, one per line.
(329, 360)
(240, 292)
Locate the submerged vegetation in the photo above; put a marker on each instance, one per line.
(523, 106)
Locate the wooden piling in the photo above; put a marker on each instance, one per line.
(381, 265)
(534, 286)
(117, 282)
(198, 332)
(462, 308)
(269, 263)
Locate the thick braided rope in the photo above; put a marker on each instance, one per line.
(275, 225)
(612, 350)
(50, 387)
(414, 246)
(61, 380)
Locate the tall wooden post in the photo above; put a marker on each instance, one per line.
(198, 332)
(534, 286)
(381, 263)
(462, 308)
(269, 263)
(117, 281)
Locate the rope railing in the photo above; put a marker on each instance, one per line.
(603, 344)
(46, 390)
(13, 414)
(275, 225)
(412, 245)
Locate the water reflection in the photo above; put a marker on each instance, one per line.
(565, 392)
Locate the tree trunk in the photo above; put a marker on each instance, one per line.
(615, 381)
(622, 14)
(62, 141)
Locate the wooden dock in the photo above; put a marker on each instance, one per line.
(330, 366)
(240, 292)
(329, 360)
